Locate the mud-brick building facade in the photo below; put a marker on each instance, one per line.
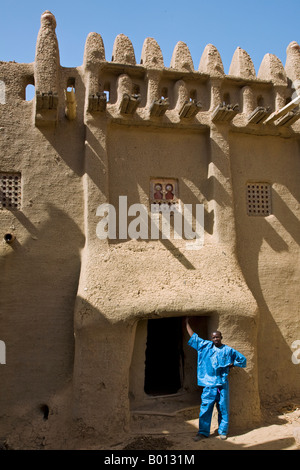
(93, 326)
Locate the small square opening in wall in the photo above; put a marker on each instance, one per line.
(10, 191)
(164, 191)
(259, 201)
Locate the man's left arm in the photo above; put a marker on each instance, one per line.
(237, 359)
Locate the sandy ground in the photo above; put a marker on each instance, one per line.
(280, 431)
(169, 423)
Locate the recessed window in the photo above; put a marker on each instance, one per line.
(258, 199)
(260, 101)
(29, 92)
(106, 90)
(164, 93)
(70, 83)
(135, 89)
(164, 191)
(10, 191)
(29, 88)
(193, 95)
(226, 98)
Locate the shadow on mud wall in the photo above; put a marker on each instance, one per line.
(276, 371)
(38, 291)
(68, 137)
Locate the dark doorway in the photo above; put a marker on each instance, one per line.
(164, 356)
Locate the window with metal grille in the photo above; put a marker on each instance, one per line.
(10, 191)
(163, 191)
(259, 199)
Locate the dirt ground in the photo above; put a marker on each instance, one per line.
(175, 431)
(169, 424)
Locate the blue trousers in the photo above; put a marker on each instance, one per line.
(211, 396)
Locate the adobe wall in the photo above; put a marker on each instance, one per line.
(72, 303)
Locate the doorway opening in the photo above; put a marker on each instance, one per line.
(163, 369)
(164, 356)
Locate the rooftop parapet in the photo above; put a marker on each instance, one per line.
(123, 53)
(154, 90)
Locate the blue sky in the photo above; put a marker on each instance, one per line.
(259, 27)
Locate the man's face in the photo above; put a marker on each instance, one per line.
(216, 338)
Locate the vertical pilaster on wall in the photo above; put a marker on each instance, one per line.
(220, 174)
(152, 59)
(127, 102)
(219, 167)
(244, 388)
(46, 72)
(153, 77)
(100, 383)
(248, 100)
(93, 342)
(94, 56)
(181, 93)
(279, 96)
(93, 337)
(215, 93)
(272, 69)
(211, 64)
(95, 155)
(292, 65)
(245, 317)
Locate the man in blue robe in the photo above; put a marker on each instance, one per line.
(213, 364)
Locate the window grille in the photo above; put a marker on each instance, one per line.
(259, 199)
(10, 191)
